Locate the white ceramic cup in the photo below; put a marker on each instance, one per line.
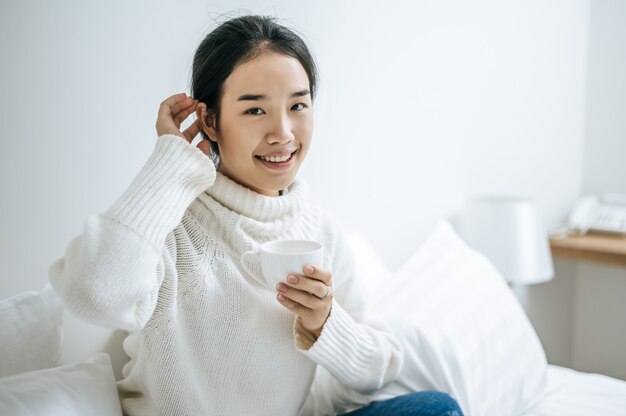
(282, 257)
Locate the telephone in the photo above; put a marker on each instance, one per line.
(605, 213)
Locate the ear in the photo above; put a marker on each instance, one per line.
(207, 121)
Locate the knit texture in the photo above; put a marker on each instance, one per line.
(206, 339)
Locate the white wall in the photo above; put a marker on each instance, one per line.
(422, 103)
(604, 166)
(427, 103)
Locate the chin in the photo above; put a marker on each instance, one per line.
(282, 185)
(277, 184)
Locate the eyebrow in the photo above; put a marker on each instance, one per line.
(258, 97)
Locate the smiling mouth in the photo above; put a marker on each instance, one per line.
(277, 160)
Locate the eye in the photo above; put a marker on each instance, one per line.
(303, 106)
(256, 111)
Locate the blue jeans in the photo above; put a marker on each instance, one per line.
(422, 403)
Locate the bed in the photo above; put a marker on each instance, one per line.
(573, 393)
(462, 328)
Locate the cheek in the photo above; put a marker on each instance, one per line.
(238, 143)
(306, 130)
(242, 150)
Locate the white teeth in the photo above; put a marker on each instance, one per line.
(275, 159)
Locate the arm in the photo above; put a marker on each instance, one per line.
(355, 347)
(111, 273)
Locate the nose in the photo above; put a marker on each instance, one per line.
(281, 131)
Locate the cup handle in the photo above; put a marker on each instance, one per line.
(244, 259)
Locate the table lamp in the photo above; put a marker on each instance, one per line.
(509, 232)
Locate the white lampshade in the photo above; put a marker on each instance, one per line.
(508, 231)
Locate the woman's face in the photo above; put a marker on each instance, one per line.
(266, 114)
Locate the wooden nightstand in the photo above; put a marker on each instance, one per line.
(598, 248)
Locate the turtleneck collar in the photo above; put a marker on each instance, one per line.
(249, 203)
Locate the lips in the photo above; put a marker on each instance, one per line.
(277, 157)
(285, 152)
(280, 164)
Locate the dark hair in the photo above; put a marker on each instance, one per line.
(237, 41)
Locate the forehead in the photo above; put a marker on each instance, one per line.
(270, 73)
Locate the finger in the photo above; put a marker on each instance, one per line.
(178, 105)
(205, 146)
(307, 284)
(192, 131)
(173, 99)
(183, 113)
(291, 305)
(318, 273)
(170, 107)
(303, 298)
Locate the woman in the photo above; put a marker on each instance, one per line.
(163, 261)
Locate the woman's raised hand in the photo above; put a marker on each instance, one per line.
(172, 112)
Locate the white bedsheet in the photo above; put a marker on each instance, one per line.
(573, 393)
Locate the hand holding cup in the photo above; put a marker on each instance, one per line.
(294, 268)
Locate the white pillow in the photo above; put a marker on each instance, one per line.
(464, 330)
(30, 331)
(86, 388)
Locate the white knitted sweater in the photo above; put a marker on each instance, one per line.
(206, 338)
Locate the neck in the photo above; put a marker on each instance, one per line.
(245, 201)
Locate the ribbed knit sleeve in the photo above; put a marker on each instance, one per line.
(154, 203)
(111, 273)
(354, 346)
